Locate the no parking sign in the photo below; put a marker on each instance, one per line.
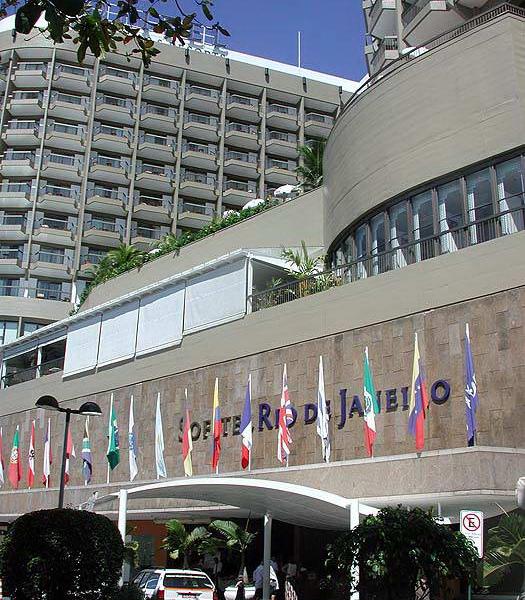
(471, 526)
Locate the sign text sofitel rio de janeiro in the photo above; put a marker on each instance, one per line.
(389, 400)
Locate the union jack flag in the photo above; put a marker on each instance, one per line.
(286, 418)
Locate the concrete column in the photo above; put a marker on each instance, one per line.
(267, 554)
(399, 26)
(178, 153)
(354, 522)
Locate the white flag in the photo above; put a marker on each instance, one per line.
(46, 471)
(322, 415)
(159, 443)
(132, 443)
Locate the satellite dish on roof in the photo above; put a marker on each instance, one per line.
(253, 203)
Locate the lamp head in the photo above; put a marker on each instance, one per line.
(90, 409)
(47, 402)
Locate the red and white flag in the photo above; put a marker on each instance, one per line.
(48, 457)
(284, 439)
(31, 458)
(70, 452)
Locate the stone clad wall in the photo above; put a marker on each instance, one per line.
(496, 324)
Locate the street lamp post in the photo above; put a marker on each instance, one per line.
(87, 409)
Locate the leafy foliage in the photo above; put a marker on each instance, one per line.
(397, 550)
(61, 553)
(88, 26)
(311, 171)
(302, 264)
(505, 547)
(236, 538)
(184, 544)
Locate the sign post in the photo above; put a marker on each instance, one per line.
(471, 526)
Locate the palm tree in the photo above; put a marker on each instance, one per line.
(311, 171)
(505, 548)
(181, 543)
(126, 257)
(235, 538)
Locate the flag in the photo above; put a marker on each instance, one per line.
(159, 443)
(31, 458)
(2, 481)
(284, 438)
(322, 415)
(187, 442)
(113, 453)
(246, 427)
(70, 453)
(418, 404)
(48, 457)
(371, 406)
(15, 466)
(217, 428)
(471, 391)
(132, 443)
(87, 466)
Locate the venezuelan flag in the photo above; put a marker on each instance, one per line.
(418, 405)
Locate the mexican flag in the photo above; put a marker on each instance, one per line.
(113, 453)
(371, 407)
(15, 466)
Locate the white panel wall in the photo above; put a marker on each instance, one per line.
(160, 320)
(215, 297)
(118, 333)
(82, 346)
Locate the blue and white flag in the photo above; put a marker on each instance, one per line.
(132, 443)
(471, 391)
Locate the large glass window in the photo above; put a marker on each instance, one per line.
(378, 244)
(361, 251)
(399, 234)
(450, 209)
(423, 225)
(511, 197)
(8, 331)
(480, 207)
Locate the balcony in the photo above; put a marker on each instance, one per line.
(382, 18)
(66, 136)
(195, 215)
(242, 164)
(244, 108)
(281, 117)
(30, 75)
(112, 139)
(145, 237)
(101, 232)
(69, 106)
(154, 177)
(51, 230)
(18, 163)
(198, 185)
(26, 104)
(387, 50)
(73, 78)
(161, 146)
(62, 167)
(115, 109)
(317, 124)
(281, 171)
(160, 89)
(11, 261)
(20, 132)
(90, 260)
(117, 81)
(282, 143)
(59, 198)
(13, 227)
(239, 192)
(152, 208)
(110, 201)
(159, 118)
(427, 18)
(109, 169)
(203, 99)
(47, 263)
(242, 135)
(199, 156)
(15, 195)
(202, 127)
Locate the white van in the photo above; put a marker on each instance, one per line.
(176, 584)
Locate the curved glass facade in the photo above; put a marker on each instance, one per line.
(473, 208)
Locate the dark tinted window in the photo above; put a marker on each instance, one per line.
(186, 581)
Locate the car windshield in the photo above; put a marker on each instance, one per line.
(187, 582)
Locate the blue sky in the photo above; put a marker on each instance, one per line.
(332, 32)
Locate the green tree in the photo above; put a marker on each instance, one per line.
(61, 553)
(505, 548)
(236, 538)
(395, 551)
(183, 544)
(89, 26)
(311, 171)
(302, 265)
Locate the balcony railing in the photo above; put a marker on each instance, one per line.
(151, 233)
(281, 164)
(18, 220)
(471, 234)
(199, 178)
(202, 91)
(93, 259)
(242, 128)
(319, 118)
(11, 254)
(101, 225)
(241, 156)
(281, 136)
(242, 186)
(59, 190)
(200, 209)
(245, 100)
(202, 119)
(201, 148)
(19, 125)
(283, 110)
(162, 82)
(52, 366)
(43, 292)
(52, 223)
(52, 258)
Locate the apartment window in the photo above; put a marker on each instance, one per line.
(159, 140)
(9, 287)
(58, 190)
(28, 327)
(121, 73)
(161, 81)
(13, 219)
(511, 195)
(66, 128)
(109, 161)
(105, 192)
(18, 155)
(51, 255)
(26, 95)
(153, 169)
(69, 98)
(423, 225)
(8, 332)
(22, 124)
(31, 66)
(55, 222)
(110, 130)
(10, 252)
(93, 256)
(18, 188)
(102, 224)
(156, 109)
(450, 209)
(61, 159)
(49, 290)
(73, 70)
(480, 207)
(114, 101)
